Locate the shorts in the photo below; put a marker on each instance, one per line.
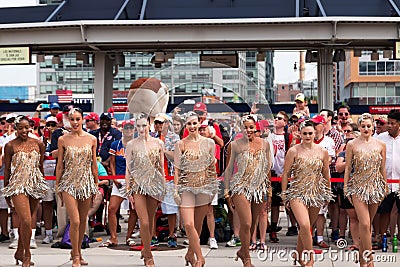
(3, 202)
(323, 210)
(168, 205)
(50, 193)
(276, 200)
(344, 201)
(115, 191)
(387, 203)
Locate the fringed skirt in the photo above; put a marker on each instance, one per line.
(370, 190)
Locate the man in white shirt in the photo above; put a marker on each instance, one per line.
(327, 143)
(392, 141)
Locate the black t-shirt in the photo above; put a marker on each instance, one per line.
(105, 141)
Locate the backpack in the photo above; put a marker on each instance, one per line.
(65, 242)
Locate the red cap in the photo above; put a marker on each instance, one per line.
(59, 117)
(37, 121)
(258, 128)
(200, 106)
(29, 117)
(132, 122)
(92, 116)
(263, 124)
(318, 119)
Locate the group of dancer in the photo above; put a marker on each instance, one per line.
(247, 182)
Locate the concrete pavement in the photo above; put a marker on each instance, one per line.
(277, 255)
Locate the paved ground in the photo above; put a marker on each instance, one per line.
(277, 255)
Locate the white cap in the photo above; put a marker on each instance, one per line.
(10, 116)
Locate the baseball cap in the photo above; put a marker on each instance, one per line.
(92, 116)
(67, 108)
(258, 126)
(54, 106)
(11, 116)
(106, 116)
(300, 97)
(200, 106)
(318, 119)
(298, 115)
(204, 124)
(59, 117)
(264, 124)
(382, 119)
(52, 119)
(162, 117)
(128, 122)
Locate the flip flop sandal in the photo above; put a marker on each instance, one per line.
(108, 244)
(253, 246)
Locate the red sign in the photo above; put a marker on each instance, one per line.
(120, 108)
(382, 109)
(120, 94)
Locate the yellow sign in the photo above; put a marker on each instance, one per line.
(397, 50)
(15, 55)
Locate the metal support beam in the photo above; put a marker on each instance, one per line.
(321, 8)
(121, 9)
(56, 10)
(325, 79)
(297, 8)
(393, 4)
(103, 82)
(143, 10)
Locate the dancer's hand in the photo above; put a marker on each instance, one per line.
(131, 200)
(231, 205)
(177, 198)
(61, 199)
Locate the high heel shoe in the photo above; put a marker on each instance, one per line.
(76, 261)
(246, 261)
(200, 263)
(148, 260)
(190, 259)
(83, 262)
(26, 262)
(19, 258)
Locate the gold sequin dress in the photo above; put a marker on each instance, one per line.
(77, 178)
(366, 181)
(197, 171)
(25, 175)
(251, 179)
(145, 176)
(308, 184)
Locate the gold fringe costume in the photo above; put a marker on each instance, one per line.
(366, 181)
(25, 176)
(197, 171)
(308, 184)
(145, 176)
(77, 178)
(251, 179)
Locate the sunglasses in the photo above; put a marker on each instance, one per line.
(89, 121)
(278, 118)
(380, 123)
(158, 122)
(307, 133)
(347, 131)
(366, 126)
(294, 121)
(199, 112)
(41, 127)
(343, 114)
(129, 127)
(3, 123)
(51, 124)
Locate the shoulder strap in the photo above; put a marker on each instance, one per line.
(287, 144)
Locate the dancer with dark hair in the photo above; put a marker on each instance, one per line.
(308, 164)
(251, 185)
(77, 179)
(24, 183)
(196, 184)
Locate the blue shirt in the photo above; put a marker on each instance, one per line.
(107, 140)
(118, 150)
